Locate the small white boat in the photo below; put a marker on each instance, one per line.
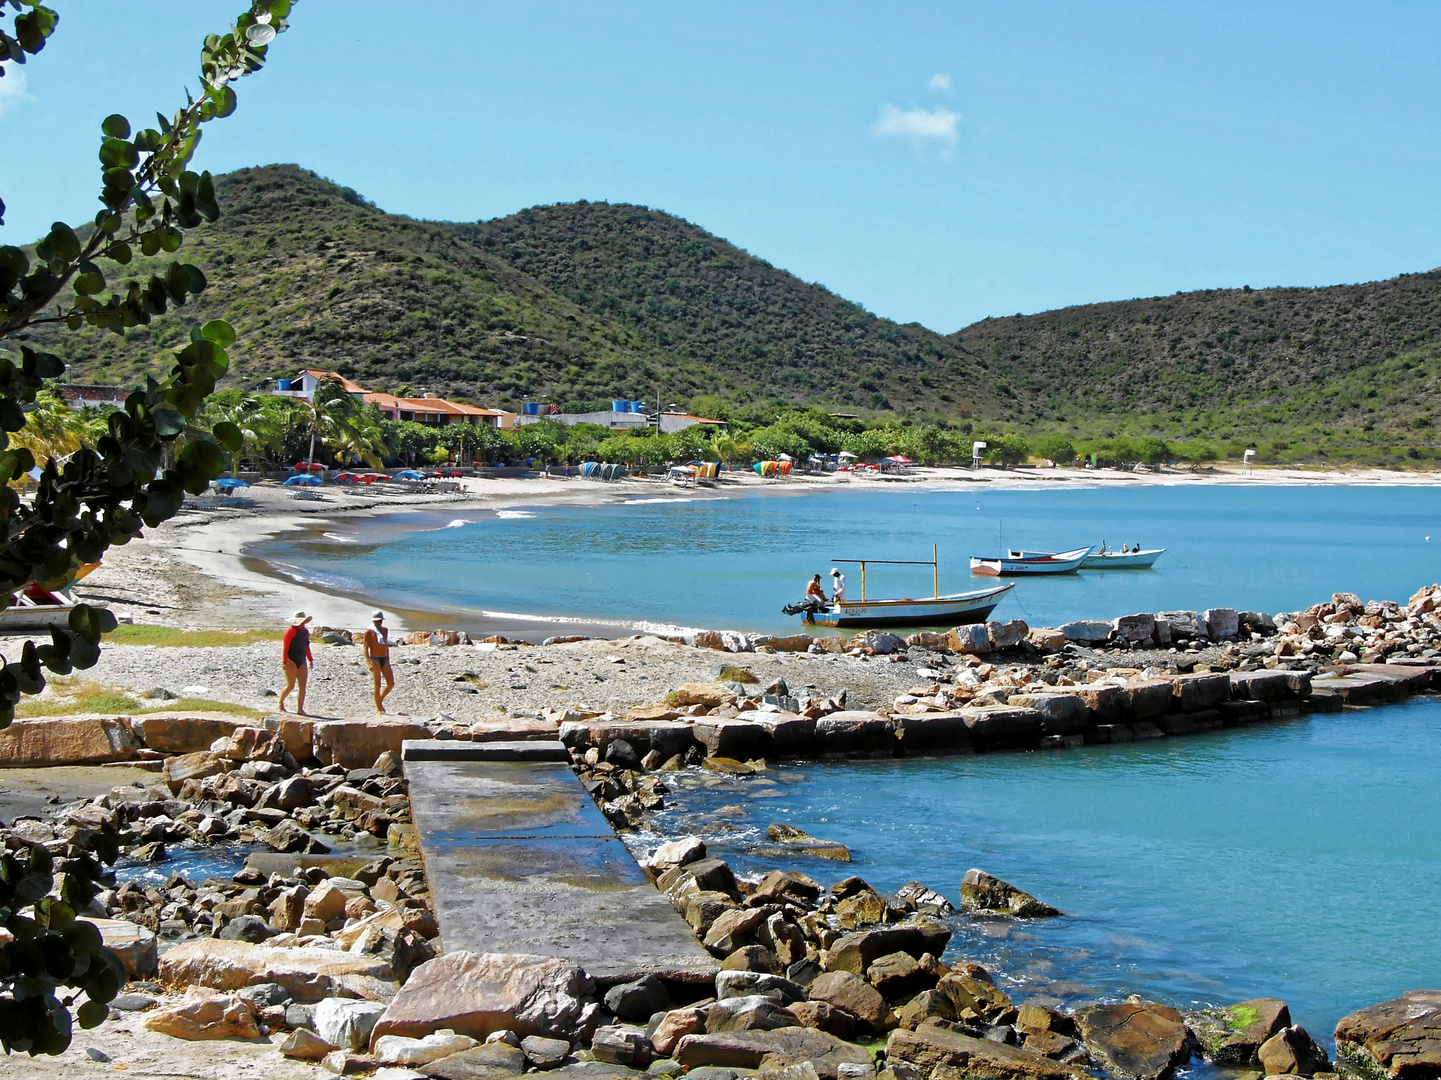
(1014, 563)
(953, 609)
(1105, 559)
(1122, 560)
(957, 609)
(28, 613)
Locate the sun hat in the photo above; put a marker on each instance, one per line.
(298, 618)
(377, 616)
(835, 572)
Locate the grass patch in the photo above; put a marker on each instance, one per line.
(730, 673)
(172, 637)
(78, 699)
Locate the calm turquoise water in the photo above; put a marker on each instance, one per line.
(733, 562)
(1299, 860)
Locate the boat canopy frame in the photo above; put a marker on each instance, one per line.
(933, 562)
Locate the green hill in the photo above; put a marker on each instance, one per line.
(583, 302)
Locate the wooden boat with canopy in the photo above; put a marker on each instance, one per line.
(953, 609)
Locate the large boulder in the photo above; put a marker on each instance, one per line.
(854, 733)
(135, 945)
(183, 734)
(972, 640)
(1221, 624)
(712, 695)
(1203, 690)
(852, 994)
(476, 994)
(1061, 714)
(1292, 1052)
(346, 1022)
(1085, 631)
(753, 1013)
(994, 726)
(196, 766)
(81, 740)
(1134, 627)
(357, 743)
(307, 974)
(1402, 1036)
(770, 1050)
(204, 1015)
(857, 952)
(1007, 635)
(930, 1047)
(1181, 624)
(1247, 1025)
(1136, 1040)
(983, 893)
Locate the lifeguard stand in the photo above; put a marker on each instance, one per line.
(976, 448)
(1246, 459)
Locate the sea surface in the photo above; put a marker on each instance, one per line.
(732, 562)
(1299, 860)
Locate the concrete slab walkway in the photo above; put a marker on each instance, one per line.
(520, 860)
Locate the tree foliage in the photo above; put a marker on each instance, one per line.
(109, 488)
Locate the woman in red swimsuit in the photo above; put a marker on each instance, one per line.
(296, 659)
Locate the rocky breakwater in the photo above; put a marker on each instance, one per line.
(297, 936)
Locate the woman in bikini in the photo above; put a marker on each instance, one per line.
(377, 657)
(296, 659)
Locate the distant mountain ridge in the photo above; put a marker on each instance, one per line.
(587, 301)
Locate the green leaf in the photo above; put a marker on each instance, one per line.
(90, 280)
(116, 126)
(219, 332)
(120, 252)
(229, 436)
(149, 140)
(62, 242)
(199, 463)
(118, 152)
(168, 422)
(92, 1014)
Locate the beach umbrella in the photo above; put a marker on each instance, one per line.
(303, 481)
(407, 474)
(230, 483)
(901, 459)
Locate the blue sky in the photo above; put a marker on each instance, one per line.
(933, 162)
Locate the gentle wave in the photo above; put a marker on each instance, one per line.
(645, 502)
(458, 522)
(317, 578)
(514, 514)
(641, 625)
(341, 538)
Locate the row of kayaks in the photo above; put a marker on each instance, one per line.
(1095, 557)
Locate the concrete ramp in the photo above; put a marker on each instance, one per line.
(520, 860)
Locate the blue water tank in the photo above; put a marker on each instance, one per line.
(282, 384)
(637, 406)
(532, 408)
(620, 406)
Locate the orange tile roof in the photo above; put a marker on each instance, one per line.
(350, 387)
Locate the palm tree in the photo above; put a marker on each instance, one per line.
(340, 421)
(51, 429)
(259, 428)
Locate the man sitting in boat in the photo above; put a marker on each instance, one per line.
(815, 600)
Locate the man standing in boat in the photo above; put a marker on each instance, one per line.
(838, 586)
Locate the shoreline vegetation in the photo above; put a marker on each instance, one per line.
(578, 304)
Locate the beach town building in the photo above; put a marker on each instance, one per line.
(619, 419)
(425, 409)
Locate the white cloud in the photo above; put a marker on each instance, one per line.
(921, 126)
(12, 88)
(940, 81)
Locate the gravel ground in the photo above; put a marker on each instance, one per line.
(470, 683)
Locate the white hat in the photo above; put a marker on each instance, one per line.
(298, 618)
(835, 572)
(377, 616)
